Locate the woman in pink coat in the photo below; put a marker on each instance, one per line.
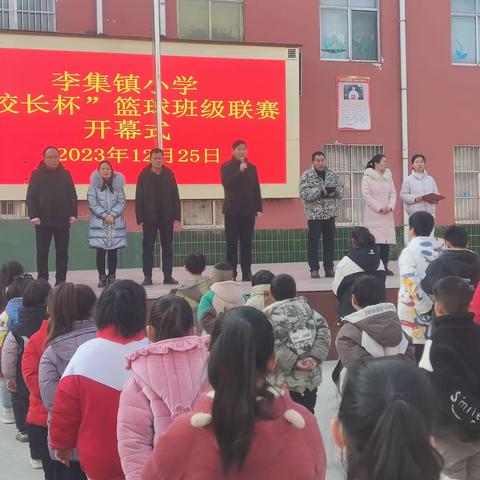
(380, 198)
(168, 375)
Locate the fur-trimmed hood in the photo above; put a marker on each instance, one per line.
(118, 180)
(374, 175)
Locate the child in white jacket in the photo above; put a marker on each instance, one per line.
(414, 305)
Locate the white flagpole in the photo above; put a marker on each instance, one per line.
(158, 82)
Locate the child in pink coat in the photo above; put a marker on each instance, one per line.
(168, 375)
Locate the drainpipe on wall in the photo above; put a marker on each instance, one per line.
(404, 92)
(99, 17)
(158, 84)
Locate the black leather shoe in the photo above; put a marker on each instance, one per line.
(147, 282)
(329, 273)
(170, 281)
(389, 273)
(314, 274)
(102, 281)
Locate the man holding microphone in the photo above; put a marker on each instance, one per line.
(243, 202)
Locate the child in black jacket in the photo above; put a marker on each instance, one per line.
(453, 357)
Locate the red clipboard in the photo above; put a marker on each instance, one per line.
(432, 197)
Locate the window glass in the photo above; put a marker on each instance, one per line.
(464, 40)
(334, 33)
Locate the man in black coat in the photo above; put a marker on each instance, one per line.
(157, 206)
(52, 207)
(243, 202)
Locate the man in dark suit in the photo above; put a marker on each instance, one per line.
(243, 202)
(157, 206)
(52, 207)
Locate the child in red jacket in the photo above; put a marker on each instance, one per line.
(86, 402)
(244, 428)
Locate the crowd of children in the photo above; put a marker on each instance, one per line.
(213, 383)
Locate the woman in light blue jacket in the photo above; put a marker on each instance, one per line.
(106, 230)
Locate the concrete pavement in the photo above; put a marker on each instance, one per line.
(15, 455)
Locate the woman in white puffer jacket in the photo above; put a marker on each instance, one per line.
(416, 185)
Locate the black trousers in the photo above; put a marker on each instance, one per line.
(308, 399)
(20, 405)
(166, 241)
(72, 472)
(112, 261)
(239, 228)
(37, 438)
(61, 236)
(384, 249)
(317, 229)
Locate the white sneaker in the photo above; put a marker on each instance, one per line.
(36, 464)
(7, 416)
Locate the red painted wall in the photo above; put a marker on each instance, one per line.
(443, 104)
(266, 21)
(71, 18)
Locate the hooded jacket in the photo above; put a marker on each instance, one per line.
(456, 262)
(103, 202)
(299, 332)
(192, 292)
(167, 378)
(222, 296)
(37, 413)
(414, 305)
(417, 185)
(242, 189)
(257, 296)
(29, 321)
(287, 446)
(310, 188)
(148, 195)
(357, 262)
(51, 196)
(379, 192)
(86, 402)
(372, 332)
(55, 359)
(453, 357)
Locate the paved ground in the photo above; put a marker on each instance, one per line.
(15, 455)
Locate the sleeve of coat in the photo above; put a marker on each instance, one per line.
(73, 211)
(392, 199)
(32, 197)
(368, 197)
(176, 200)
(139, 200)
(66, 414)
(119, 207)
(306, 191)
(405, 195)
(350, 352)
(229, 175)
(30, 367)
(339, 187)
(258, 193)
(134, 430)
(321, 345)
(9, 357)
(339, 275)
(93, 204)
(432, 275)
(435, 188)
(48, 380)
(411, 279)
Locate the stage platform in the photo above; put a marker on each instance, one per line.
(317, 291)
